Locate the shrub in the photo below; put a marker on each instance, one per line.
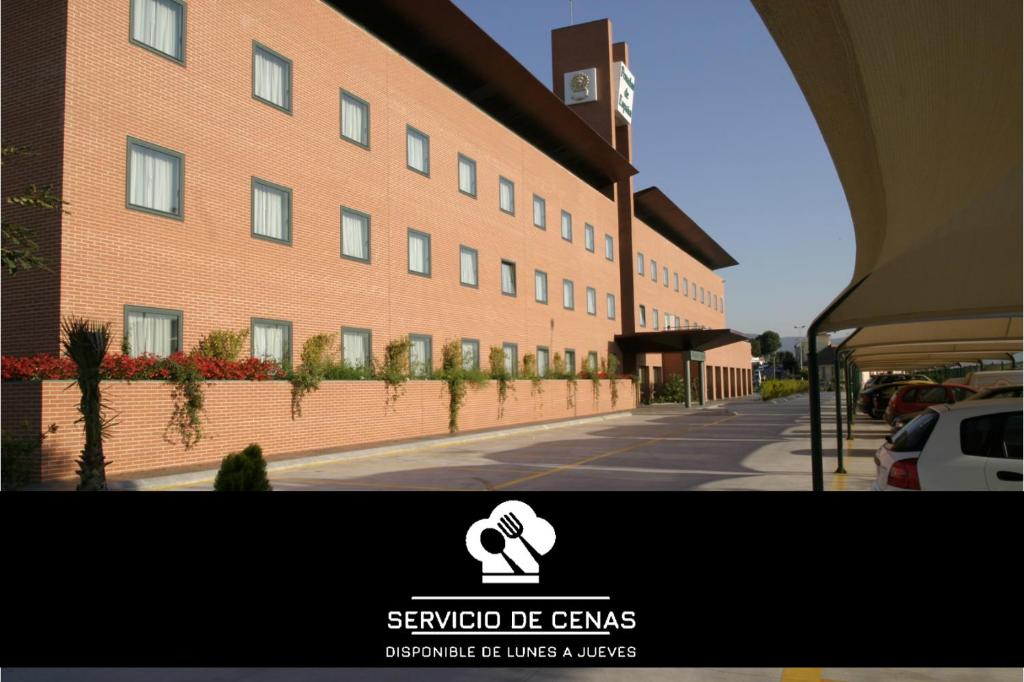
(500, 374)
(244, 471)
(395, 370)
(18, 452)
(777, 388)
(315, 362)
(530, 372)
(673, 390)
(456, 377)
(343, 371)
(222, 344)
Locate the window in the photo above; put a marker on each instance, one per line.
(592, 361)
(654, 318)
(640, 264)
(420, 355)
(568, 295)
(643, 315)
(566, 226)
(540, 286)
(272, 340)
(271, 78)
(469, 267)
(470, 354)
(714, 301)
(654, 270)
(506, 196)
(609, 247)
(356, 347)
(675, 281)
(419, 253)
(543, 361)
(508, 278)
(913, 436)
(693, 291)
(152, 331)
(721, 305)
(686, 287)
(591, 301)
(570, 362)
(510, 351)
(668, 321)
(588, 237)
(155, 179)
(417, 151)
(355, 119)
(271, 211)
(702, 294)
(159, 26)
(467, 175)
(540, 212)
(611, 306)
(355, 235)
(992, 435)
(664, 276)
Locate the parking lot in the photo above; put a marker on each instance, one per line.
(743, 444)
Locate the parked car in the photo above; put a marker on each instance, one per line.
(997, 392)
(910, 400)
(1002, 377)
(882, 379)
(874, 400)
(973, 445)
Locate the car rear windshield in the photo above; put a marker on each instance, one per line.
(913, 436)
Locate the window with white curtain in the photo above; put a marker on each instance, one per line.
(675, 281)
(693, 291)
(570, 362)
(540, 212)
(654, 318)
(355, 234)
(355, 119)
(609, 247)
(420, 355)
(272, 340)
(592, 361)
(419, 253)
(467, 175)
(271, 77)
(152, 331)
(568, 295)
(566, 226)
(417, 150)
(543, 361)
(664, 276)
(686, 287)
(155, 178)
(640, 264)
(356, 347)
(508, 278)
(506, 195)
(159, 25)
(271, 211)
(588, 237)
(654, 270)
(540, 286)
(468, 267)
(591, 301)
(610, 301)
(668, 321)
(470, 354)
(510, 351)
(643, 315)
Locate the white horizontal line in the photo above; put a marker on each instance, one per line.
(511, 598)
(558, 633)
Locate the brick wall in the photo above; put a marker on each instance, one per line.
(339, 414)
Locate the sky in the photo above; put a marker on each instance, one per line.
(721, 126)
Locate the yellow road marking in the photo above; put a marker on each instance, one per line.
(594, 458)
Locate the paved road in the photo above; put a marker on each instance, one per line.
(739, 445)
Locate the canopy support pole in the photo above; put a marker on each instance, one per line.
(701, 371)
(686, 378)
(839, 416)
(848, 364)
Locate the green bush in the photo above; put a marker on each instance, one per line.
(222, 344)
(244, 471)
(19, 450)
(342, 371)
(777, 388)
(672, 391)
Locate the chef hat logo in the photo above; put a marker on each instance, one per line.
(510, 542)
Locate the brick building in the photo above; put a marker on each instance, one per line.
(369, 169)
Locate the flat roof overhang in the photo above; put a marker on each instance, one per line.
(678, 340)
(652, 206)
(448, 45)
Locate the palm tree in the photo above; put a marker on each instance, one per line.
(86, 344)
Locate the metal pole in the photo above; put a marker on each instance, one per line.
(817, 473)
(848, 367)
(686, 373)
(700, 378)
(839, 416)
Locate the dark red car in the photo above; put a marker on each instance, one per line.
(911, 399)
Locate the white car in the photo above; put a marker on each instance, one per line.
(972, 445)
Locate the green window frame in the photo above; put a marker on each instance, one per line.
(588, 237)
(570, 362)
(510, 351)
(591, 301)
(287, 227)
(464, 250)
(361, 331)
(505, 182)
(413, 132)
(356, 101)
(566, 226)
(471, 164)
(347, 211)
(176, 334)
(285, 324)
(568, 294)
(540, 275)
(609, 247)
(428, 367)
(287, 63)
(182, 29)
(539, 201)
(179, 213)
(474, 344)
(426, 252)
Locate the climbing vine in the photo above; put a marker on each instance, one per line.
(530, 371)
(502, 376)
(315, 362)
(457, 378)
(395, 369)
(613, 375)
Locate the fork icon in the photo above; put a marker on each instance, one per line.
(512, 527)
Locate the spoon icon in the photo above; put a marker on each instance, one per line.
(493, 541)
